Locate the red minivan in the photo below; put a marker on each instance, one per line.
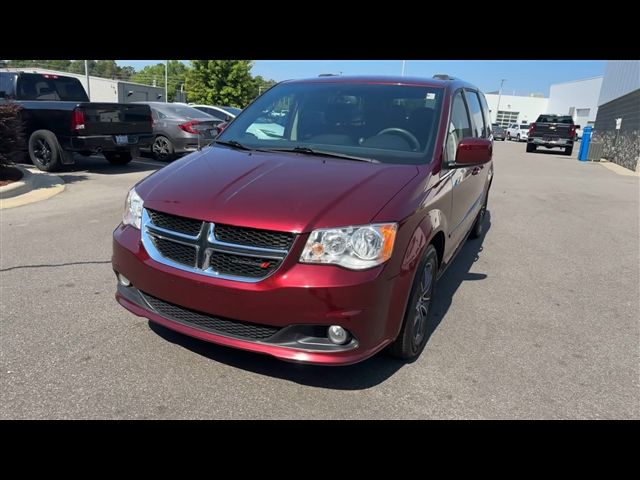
(315, 226)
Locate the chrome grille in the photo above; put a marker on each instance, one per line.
(224, 251)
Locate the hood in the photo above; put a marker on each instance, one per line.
(273, 191)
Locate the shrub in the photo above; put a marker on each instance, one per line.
(11, 131)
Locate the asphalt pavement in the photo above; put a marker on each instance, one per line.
(538, 319)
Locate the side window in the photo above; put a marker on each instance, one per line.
(487, 114)
(479, 128)
(459, 126)
(6, 84)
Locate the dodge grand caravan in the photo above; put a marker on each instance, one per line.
(319, 241)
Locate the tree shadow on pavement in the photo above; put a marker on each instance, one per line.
(360, 376)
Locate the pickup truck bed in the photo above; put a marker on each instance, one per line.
(552, 131)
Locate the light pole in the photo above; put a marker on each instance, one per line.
(499, 96)
(404, 64)
(166, 83)
(86, 73)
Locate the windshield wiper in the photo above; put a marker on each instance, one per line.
(322, 153)
(233, 144)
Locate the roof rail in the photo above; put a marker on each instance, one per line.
(443, 76)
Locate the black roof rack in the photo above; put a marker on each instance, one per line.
(443, 76)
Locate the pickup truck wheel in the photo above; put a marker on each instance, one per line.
(531, 147)
(162, 148)
(478, 226)
(45, 151)
(518, 138)
(117, 158)
(508, 136)
(413, 335)
(568, 151)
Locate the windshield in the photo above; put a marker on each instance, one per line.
(387, 123)
(524, 127)
(35, 86)
(232, 110)
(555, 119)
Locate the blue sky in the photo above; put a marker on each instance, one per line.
(522, 76)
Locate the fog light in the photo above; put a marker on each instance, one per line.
(338, 335)
(124, 281)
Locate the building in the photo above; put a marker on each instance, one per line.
(617, 125)
(108, 90)
(578, 98)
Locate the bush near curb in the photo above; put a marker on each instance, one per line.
(12, 137)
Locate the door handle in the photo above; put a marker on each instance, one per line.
(476, 170)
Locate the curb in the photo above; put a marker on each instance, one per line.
(21, 186)
(33, 187)
(620, 170)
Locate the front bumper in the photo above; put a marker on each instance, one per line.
(560, 142)
(297, 298)
(97, 143)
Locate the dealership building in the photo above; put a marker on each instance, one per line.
(578, 98)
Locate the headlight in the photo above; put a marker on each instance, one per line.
(356, 248)
(132, 209)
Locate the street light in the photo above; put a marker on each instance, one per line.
(166, 77)
(404, 64)
(499, 96)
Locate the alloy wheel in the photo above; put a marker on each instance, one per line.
(422, 304)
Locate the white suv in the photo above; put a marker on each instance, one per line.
(519, 133)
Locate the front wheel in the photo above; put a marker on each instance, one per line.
(518, 138)
(117, 158)
(413, 335)
(478, 226)
(508, 136)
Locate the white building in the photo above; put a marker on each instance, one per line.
(106, 89)
(578, 98)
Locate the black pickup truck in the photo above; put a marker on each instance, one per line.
(552, 131)
(60, 120)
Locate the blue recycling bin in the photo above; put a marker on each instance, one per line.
(584, 144)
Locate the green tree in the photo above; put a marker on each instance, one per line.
(176, 71)
(221, 82)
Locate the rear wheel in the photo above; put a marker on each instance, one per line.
(117, 158)
(45, 151)
(413, 335)
(568, 150)
(162, 148)
(508, 136)
(531, 147)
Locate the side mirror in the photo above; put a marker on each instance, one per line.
(473, 151)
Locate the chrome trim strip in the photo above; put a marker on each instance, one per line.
(173, 233)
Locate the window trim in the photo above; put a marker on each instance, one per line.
(445, 161)
(474, 91)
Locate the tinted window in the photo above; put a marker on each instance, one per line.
(389, 123)
(555, 119)
(6, 83)
(524, 127)
(459, 126)
(181, 111)
(479, 129)
(34, 86)
(213, 112)
(232, 110)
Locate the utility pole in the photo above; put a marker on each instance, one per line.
(166, 78)
(499, 96)
(86, 73)
(404, 64)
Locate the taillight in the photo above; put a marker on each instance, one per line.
(77, 120)
(572, 131)
(188, 127)
(221, 126)
(532, 128)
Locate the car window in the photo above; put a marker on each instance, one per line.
(181, 111)
(524, 127)
(35, 86)
(459, 126)
(390, 123)
(479, 130)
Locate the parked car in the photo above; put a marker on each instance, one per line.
(60, 120)
(518, 132)
(321, 244)
(179, 129)
(498, 132)
(226, 114)
(552, 131)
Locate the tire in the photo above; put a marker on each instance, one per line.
(413, 335)
(162, 149)
(518, 138)
(508, 136)
(531, 147)
(45, 151)
(568, 151)
(118, 158)
(478, 225)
